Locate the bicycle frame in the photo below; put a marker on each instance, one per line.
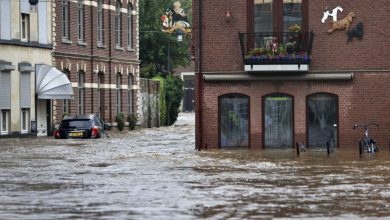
(367, 143)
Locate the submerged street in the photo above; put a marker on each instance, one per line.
(157, 174)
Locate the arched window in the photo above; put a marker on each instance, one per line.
(322, 120)
(233, 120)
(278, 121)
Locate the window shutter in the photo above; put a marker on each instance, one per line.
(25, 90)
(5, 90)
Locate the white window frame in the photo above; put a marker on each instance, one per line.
(66, 102)
(118, 24)
(129, 27)
(100, 23)
(81, 92)
(5, 117)
(80, 20)
(130, 93)
(25, 27)
(118, 92)
(65, 19)
(24, 120)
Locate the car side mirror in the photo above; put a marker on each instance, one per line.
(106, 126)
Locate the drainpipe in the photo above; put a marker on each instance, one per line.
(92, 59)
(200, 77)
(109, 65)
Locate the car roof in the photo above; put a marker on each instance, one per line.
(70, 117)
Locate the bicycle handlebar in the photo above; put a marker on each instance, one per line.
(365, 125)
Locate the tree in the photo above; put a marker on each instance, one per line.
(155, 44)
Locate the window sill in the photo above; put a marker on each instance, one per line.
(81, 43)
(66, 41)
(100, 45)
(117, 47)
(130, 49)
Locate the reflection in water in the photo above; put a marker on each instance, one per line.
(157, 174)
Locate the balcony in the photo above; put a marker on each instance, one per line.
(276, 52)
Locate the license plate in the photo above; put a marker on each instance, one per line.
(76, 134)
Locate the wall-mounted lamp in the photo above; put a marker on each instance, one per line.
(228, 15)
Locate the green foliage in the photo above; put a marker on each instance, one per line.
(132, 119)
(174, 93)
(120, 119)
(155, 44)
(163, 106)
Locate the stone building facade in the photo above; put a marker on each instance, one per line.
(25, 41)
(96, 44)
(271, 74)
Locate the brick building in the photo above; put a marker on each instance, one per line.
(271, 73)
(96, 45)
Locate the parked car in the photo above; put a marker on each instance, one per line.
(82, 126)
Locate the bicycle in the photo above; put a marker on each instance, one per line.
(367, 143)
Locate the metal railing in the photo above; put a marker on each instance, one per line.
(276, 48)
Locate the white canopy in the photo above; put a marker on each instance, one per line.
(52, 83)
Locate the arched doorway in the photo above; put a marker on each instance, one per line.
(322, 120)
(233, 120)
(278, 121)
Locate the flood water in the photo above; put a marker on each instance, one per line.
(157, 174)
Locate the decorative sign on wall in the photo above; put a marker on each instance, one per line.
(175, 21)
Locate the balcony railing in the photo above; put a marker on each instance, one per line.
(276, 48)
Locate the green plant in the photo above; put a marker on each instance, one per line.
(132, 119)
(163, 106)
(65, 114)
(174, 93)
(120, 119)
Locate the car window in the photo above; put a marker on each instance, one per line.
(97, 122)
(67, 124)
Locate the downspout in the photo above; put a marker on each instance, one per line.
(109, 65)
(92, 59)
(200, 77)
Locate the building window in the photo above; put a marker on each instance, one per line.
(278, 121)
(80, 20)
(65, 20)
(234, 120)
(118, 92)
(81, 92)
(66, 106)
(5, 121)
(100, 31)
(129, 27)
(100, 94)
(25, 27)
(276, 15)
(24, 120)
(118, 24)
(130, 93)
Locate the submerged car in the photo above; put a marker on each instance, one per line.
(82, 126)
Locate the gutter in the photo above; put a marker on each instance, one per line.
(306, 77)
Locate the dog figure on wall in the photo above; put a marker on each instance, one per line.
(356, 31)
(343, 24)
(333, 14)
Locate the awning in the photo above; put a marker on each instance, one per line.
(52, 83)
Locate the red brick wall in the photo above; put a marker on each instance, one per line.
(90, 58)
(363, 99)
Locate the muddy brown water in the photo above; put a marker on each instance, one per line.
(157, 174)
